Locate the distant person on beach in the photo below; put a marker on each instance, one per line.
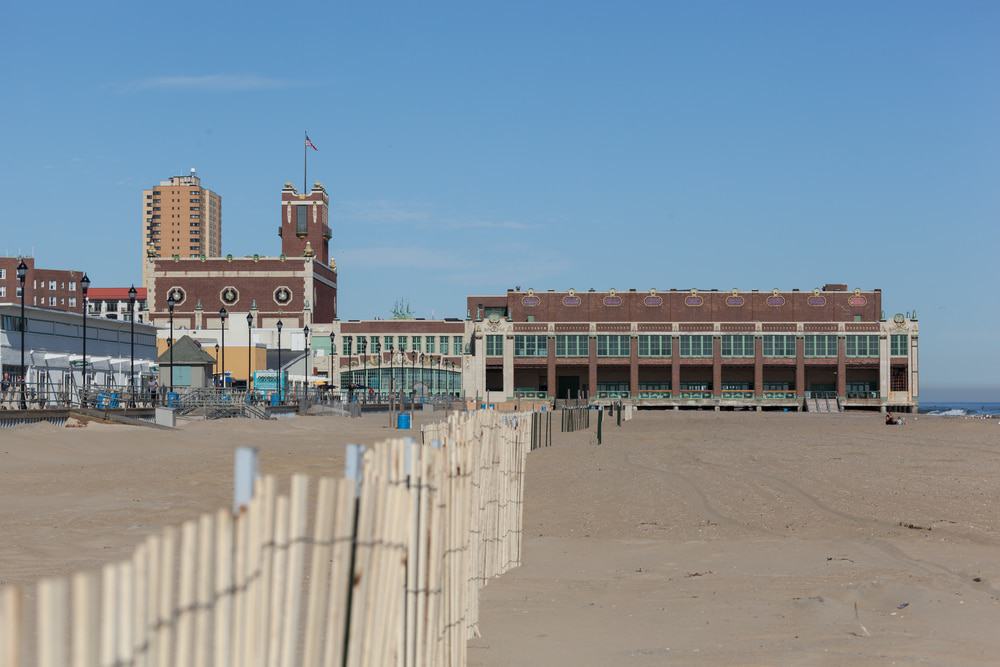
(891, 420)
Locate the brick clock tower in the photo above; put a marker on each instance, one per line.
(305, 223)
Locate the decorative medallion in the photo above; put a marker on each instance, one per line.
(693, 300)
(816, 300)
(530, 301)
(282, 296)
(571, 300)
(612, 300)
(229, 295)
(179, 295)
(857, 299)
(776, 301)
(898, 318)
(653, 301)
(734, 300)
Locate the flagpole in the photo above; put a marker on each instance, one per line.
(305, 163)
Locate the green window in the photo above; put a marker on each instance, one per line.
(494, 346)
(443, 344)
(737, 345)
(348, 342)
(899, 344)
(376, 345)
(456, 345)
(403, 340)
(656, 345)
(430, 344)
(613, 346)
(862, 346)
(573, 345)
(779, 345)
(390, 342)
(531, 346)
(821, 346)
(696, 346)
(418, 344)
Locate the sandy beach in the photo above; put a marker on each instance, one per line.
(686, 538)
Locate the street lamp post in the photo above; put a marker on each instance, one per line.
(278, 327)
(249, 350)
(215, 372)
(306, 363)
(131, 344)
(170, 341)
(223, 314)
(413, 379)
(363, 350)
(22, 273)
(84, 288)
(423, 378)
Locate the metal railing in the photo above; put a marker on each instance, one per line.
(863, 395)
(693, 393)
(614, 394)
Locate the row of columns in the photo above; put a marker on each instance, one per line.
(717, 361)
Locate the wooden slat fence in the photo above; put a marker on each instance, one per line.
(380, 568)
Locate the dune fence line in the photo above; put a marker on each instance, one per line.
(382, 566)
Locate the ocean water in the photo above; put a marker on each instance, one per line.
(965, 409)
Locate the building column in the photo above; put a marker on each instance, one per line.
(675, 367)
(758, 367)
(841, 367)
(884, 364)
(716, 366)
(550, 367)
(633, 368)
(913, 385)
(800, 366)
(592, 367)
(508, 365)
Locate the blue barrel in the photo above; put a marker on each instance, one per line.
(274, 399)
(171, 399)
(403, 421)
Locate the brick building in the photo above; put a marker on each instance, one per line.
(297, 287)
(57, 289)
(830, 348)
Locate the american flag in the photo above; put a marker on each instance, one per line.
(310, 144)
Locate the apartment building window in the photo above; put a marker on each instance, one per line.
(737, 345)
(72, 302)
(3, 291)
(3, 274)
(17, 292)
(418, 343)
(696, 346)
(52, 301)
(656, 345)
(494, 346)
(72, 286)
(12, 323)
(821, 346)
(531, 346)
(862, 346)
(456, 345)
(779, 346)
(573, 345)
(443, 344)
(898, 343)
(430, 344)
(52, 285)
(613, 346)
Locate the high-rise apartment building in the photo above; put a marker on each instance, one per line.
(181, 218)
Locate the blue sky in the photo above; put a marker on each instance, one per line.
(471, 147)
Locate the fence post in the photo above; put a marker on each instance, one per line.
(244, 475)
(600, 424)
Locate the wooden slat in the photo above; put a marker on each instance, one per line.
(53, 626)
